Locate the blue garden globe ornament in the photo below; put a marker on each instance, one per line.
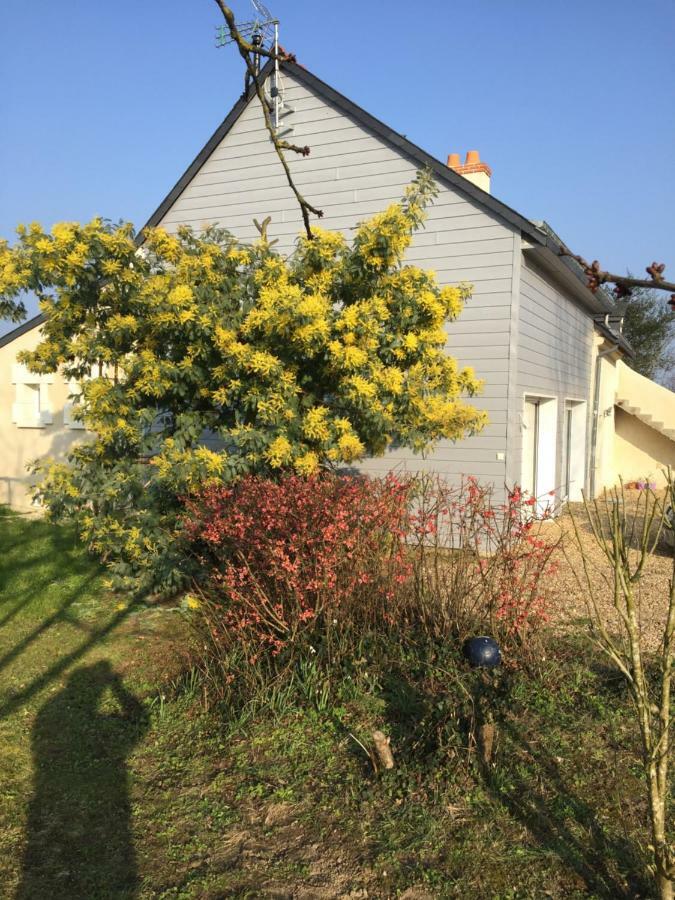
(482, 652)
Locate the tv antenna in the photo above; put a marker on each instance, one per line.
(261, 32)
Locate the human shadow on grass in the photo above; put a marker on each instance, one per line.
(79, 844)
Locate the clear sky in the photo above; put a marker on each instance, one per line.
(103, 104)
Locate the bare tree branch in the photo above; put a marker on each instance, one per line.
(246, 50)
(623, 284)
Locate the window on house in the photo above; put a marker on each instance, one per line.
(31, 407)
(74, 395)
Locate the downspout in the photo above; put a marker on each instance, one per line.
(596, 413)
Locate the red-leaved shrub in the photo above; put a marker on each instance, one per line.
(290, 560)
(302, 566)
(481, 563)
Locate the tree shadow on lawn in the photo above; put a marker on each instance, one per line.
(61, 615)
(29, 580)
(79, 843)
(528, 782)
(533, 789)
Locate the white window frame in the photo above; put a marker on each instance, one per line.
(74, 388)
(25, 414)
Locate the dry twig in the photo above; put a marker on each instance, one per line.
(383, 748)
(246, 51)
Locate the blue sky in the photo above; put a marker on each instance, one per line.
(572, 103)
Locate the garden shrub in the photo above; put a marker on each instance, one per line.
(289, 362)
(298, 562)
(313, 567)
(480, 564)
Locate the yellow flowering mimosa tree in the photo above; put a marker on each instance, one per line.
(293, 363)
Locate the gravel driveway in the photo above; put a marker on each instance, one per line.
(570, 591)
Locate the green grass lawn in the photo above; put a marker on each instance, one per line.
(115, 782)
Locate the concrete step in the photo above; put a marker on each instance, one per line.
(646, 417)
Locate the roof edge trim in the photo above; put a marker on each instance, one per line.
(24, 328)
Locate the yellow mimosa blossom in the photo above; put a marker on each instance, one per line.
(279, 452)
(342, 426)
(350, 447)
(315, 424)
(307, 464)
(361, 387)
(63, 232)
(182, 293)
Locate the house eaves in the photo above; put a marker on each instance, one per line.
(568, 274)
(604, 326)
(24, 328)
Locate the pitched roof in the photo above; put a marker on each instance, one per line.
(399, 141)
(21, 329)
(541, 236)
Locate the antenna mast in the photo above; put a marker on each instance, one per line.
(264, 28)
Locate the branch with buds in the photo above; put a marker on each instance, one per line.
(246, 51)
(623, 284)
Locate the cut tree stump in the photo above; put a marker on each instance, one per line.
(383, 748)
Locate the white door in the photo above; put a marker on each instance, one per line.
(575, 449)
(540, 450)
(530, 446)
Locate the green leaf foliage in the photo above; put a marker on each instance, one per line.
(202, 359)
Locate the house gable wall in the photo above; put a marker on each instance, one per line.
(20, 445)
(352, 174)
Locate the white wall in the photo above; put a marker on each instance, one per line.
(352, 174)
(555, 347)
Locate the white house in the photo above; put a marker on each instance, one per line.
(565, 412)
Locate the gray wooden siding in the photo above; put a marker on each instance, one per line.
(351, 174)
(555, 340)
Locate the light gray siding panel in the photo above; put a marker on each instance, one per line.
(467, 325)
(352, 174)
(492, 233)
(555, 338)
(472, 313)
(485, 337)
(467, 260)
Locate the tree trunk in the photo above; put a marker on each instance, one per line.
(657, 804)
(665, 888)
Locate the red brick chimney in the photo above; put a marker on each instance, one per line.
(475, 171)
